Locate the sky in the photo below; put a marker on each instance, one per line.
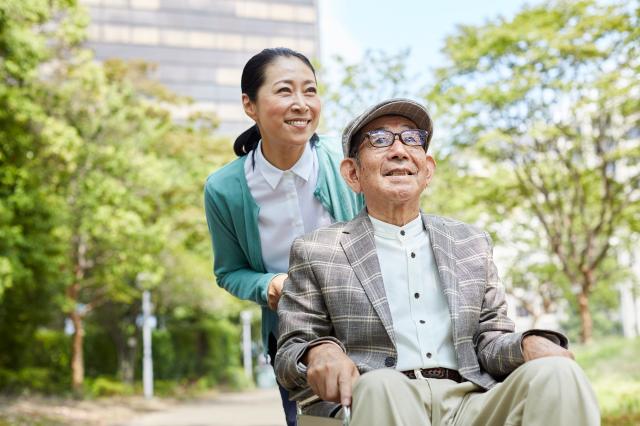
(349, 27)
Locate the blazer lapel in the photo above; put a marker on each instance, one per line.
(443, 250)
(359, 246)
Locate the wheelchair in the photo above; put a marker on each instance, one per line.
(311, 420)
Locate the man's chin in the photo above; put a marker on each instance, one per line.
(403, 189)
(402, 197)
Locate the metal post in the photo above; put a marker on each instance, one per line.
(147, 360)
(246, 343)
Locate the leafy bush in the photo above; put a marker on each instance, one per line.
(235, 379)
(46, 365)
(182, 389)
(107, 386)
(27, 379)
(199, 347)
(100, 354)
(164, 354)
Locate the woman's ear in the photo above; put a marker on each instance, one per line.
(249, 107)
(349, 172)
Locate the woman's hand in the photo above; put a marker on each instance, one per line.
(275, 291)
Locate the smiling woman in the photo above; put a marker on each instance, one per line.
(286, 183)
(286, 109)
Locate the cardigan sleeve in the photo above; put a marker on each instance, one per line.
(231, 264)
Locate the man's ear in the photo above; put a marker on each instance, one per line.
(431, 168)
(349, 172)
(249, 107)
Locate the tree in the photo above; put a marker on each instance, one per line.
(550, 101)
(98, 185)
(376, 77)
(32, 145)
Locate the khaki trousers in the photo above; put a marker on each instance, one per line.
(547, 391)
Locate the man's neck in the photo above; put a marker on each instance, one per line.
(398, 217)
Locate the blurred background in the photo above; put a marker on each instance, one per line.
(113, 112)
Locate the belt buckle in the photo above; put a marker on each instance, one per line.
(439, 373)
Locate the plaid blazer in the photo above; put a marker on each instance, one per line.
(335, 292)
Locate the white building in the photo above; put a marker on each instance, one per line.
(200, 46)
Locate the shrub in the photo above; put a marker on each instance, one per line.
(27, 379)
(235, 378)
(107, 386)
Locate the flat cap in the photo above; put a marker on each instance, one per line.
(397, 106)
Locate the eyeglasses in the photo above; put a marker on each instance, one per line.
(383, 138)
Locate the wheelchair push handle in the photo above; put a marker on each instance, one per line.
(346, 418)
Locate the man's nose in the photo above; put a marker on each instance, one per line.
(397, 149)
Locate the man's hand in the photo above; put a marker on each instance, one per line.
(275, 291)
(331, 373)
(538, 347)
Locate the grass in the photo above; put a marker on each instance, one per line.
(613, 366)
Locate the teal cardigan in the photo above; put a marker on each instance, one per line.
(232, 216)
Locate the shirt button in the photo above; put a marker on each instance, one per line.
(413, 255)
(428, 354)
(389, 361)
(416, 295)
(422, 321)
(402, 233)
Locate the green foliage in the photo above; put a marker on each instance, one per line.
(377, 76)
(38, 379)
(235, 379)
(107, 386)
(101, 356)
(181, 389)
(612, 367)
(100, 198)
(543, 109)
(51, 349)
(32, 145)
(47, 365)
(195, 347)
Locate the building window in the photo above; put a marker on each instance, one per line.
(275, 11)
(147, 35)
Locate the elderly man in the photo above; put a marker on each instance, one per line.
(402, 315)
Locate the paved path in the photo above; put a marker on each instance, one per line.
(255, 408)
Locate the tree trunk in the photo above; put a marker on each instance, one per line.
(77, 355)
(585, 318)
(73, 293)
(127, 360)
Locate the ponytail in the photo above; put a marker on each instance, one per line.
(247, 141)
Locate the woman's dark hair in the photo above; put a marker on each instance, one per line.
(251, 81)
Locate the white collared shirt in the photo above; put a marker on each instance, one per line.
(288, 208)
(419, 308)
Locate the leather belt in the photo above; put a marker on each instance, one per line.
(434, 373)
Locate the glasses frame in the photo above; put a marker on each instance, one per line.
(423, 138)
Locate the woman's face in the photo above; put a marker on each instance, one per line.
(287, 106)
